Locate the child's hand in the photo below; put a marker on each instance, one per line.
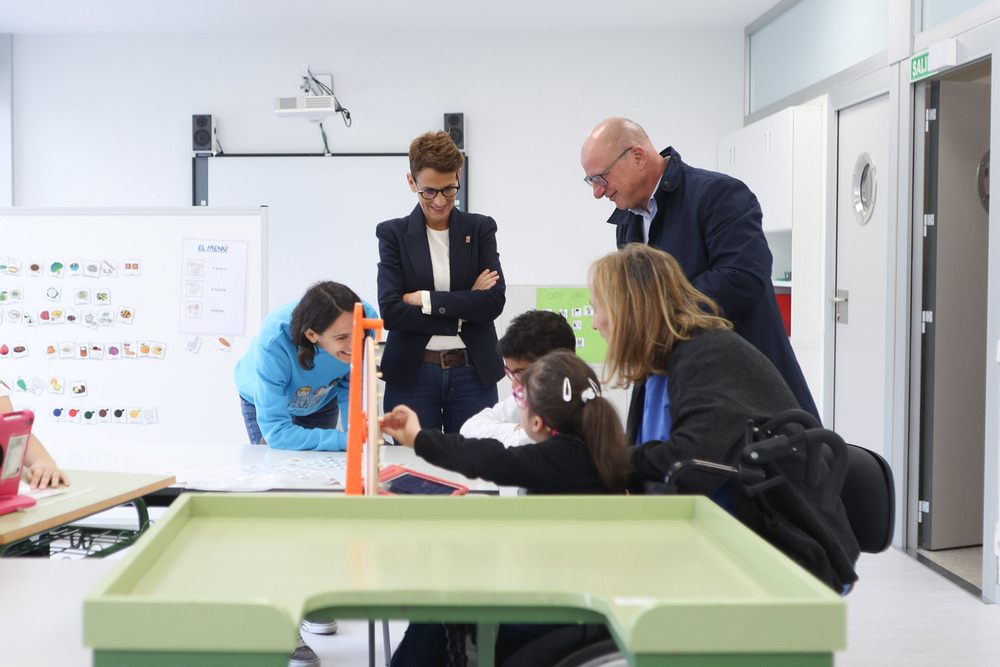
(402, 425)
(43, 474)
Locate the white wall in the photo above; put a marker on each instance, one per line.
(106, 120)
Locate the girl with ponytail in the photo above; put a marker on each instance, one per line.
(579, 443)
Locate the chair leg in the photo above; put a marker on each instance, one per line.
(386, 645)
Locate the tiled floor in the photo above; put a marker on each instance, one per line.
(903, 614)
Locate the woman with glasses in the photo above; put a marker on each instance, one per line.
(440, 287)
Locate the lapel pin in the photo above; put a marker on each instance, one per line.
(468, 239)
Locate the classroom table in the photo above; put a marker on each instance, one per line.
(677, 580)
(227, 466)
(90, 492)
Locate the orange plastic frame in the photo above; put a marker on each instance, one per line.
(357, 419)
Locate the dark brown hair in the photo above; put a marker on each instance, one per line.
(535, 332)
(564, 391)
(437, 151)
(323, 303)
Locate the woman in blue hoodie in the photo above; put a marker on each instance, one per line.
(294, 378)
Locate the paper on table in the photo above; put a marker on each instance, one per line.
(24, 489)
(325, 473)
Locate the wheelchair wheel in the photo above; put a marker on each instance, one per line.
(602, 654)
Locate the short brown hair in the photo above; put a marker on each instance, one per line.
(437, 151)
(650, 306)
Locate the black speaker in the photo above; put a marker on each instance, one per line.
(454, 124)
(202, 133)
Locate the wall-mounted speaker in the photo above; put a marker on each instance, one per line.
(202, 133)
(454, 125)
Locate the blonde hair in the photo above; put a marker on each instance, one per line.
(650, 306)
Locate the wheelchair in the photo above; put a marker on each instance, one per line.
(858, 478)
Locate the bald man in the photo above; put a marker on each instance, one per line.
(710, 222)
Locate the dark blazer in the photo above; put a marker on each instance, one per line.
(711, 224)
(405, 266)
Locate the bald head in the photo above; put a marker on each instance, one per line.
(617, 134)
(618, 151)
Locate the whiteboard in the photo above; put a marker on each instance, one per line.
(183, 394)
(322, 214)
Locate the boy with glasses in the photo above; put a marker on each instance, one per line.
(529, 336)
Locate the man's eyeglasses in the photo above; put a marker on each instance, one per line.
(598, 179)
(431, 193)
(513, 376)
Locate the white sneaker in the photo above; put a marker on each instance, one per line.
(318, 623)
(303, 656)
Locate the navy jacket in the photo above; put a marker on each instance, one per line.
(711, 223)
(405, 266)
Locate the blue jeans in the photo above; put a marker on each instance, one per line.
(326, 417)
(442, 399)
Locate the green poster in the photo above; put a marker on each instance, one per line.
(573, 303)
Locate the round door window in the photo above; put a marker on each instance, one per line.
(864, 188)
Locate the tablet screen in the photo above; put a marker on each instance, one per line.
(407, 483)
(15, 454)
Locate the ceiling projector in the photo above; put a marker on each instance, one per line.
(312, 107)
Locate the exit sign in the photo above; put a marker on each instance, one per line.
(919, 67)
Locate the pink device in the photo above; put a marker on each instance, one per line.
(15, 429)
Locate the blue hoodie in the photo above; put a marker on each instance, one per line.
(269, 376)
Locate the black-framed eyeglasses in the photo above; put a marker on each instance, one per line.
(431, 193)
(598, 179)
(512, 375)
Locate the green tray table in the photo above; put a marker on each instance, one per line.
(225, 579)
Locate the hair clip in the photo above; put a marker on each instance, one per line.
(593, 391)
(567, 390)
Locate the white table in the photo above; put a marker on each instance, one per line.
(187, 461)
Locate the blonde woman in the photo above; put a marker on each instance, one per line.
(696, 382)
(696, 386)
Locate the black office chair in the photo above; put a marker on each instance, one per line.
(869, 497)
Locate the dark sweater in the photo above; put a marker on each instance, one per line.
(560, 464)
(716, 382)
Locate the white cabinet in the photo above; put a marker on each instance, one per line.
(780, 158)
(775, 156)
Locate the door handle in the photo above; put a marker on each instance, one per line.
(840, 306)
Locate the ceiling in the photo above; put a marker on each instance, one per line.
(223, 16)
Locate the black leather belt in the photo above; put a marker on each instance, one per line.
(447, 358)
